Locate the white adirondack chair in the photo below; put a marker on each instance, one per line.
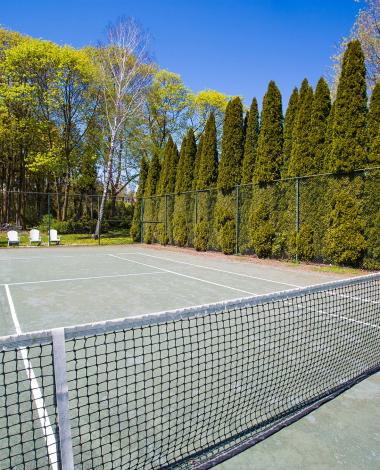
(13, 238)
(35, 237)
(53, 237)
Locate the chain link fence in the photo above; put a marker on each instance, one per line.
(74, 216)
(321, 218)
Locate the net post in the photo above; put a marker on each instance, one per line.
(237, 220)
(62, 398)
(48, 201)
(297, 182)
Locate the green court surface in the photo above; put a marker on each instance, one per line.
(54, 287)
(58, 287)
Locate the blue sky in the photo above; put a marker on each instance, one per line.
(232, 46)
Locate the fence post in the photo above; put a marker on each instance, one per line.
(196, 208)
(166, 217)
(100, 229)
(237, 220)
(142, 220)
(48, 219)
(297, 213)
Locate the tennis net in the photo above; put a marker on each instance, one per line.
(186, 388)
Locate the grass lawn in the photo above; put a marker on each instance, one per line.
(109, 238)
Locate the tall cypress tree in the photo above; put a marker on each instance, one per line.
(290, 117)
(197, 161)
(319, 116)
(207, 178)
(327, 151)
(208, 165)
(349, 144)
(344, 240)
(136, 227)
(250, 144)
(150, 201)
(270, 141)
(180, 166)
(182, 206)
(301, 159)
(263, 211)
(229, 175)
(374, 126)
(163, 190)
(232, 146)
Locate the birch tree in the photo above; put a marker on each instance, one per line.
(125, 75)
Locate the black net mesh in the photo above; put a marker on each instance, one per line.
(28, 417)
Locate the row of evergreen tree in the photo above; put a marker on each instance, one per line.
(315, 136)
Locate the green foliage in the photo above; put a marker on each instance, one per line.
(136, 228)
(201, 236)
(374, 126)
(327, 151)
(197, 161)
(182, 206)
(208, 165)
(301, 159)
(232, 146)
(305, 242)
(270, 141)
(151, 202)
(263, 220)
(349, 143)
(229, 174)
(162, 189)
(319, 116)
(344, 241)
(290, 117)
(250, 143)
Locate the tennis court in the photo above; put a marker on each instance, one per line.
(54, 287)
(182, 389)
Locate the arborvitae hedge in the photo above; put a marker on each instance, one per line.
(182, 219)
(207, 178)
(197, 161)
(301, 159)
(327, 151)
(229, 175)
(290, 117)
(250, 144)
(349, 142)
(270, 141)
(319, 116)
(263, 213)
(162, 190)
(374, 127)
(136, 226)
(150, 201)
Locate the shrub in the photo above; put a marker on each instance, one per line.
(305, 242)
(201, 236)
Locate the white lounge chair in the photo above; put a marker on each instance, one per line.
(13, 238)
(53, 237)
(35, 237)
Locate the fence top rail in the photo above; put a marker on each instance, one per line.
(279, 180)
(157, 318)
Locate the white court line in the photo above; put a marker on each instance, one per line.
(31, 258)
(341, 317)
(214, 269)
(69, 279)
(46, 428)
(184, 275)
